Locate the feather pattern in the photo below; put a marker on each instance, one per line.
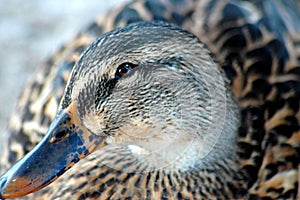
(256, 43)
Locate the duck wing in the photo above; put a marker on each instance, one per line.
(257, 43)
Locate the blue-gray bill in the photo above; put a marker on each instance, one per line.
(66, 142)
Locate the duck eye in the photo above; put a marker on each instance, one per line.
(124, 69)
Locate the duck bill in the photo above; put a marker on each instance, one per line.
(66, 142)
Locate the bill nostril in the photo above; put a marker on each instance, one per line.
(59, 135)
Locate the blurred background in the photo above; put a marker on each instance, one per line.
(29, 32)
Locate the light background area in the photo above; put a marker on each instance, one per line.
(29, 32)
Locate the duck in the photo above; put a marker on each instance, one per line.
(164, 100)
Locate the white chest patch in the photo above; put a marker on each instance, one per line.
(138, 150)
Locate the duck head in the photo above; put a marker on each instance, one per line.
(149, 89)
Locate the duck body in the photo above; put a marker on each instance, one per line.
(251, 70)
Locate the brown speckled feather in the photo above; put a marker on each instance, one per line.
(258, 46)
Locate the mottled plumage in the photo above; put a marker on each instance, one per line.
(252, 71)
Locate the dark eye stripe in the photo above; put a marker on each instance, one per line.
(123, 69)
